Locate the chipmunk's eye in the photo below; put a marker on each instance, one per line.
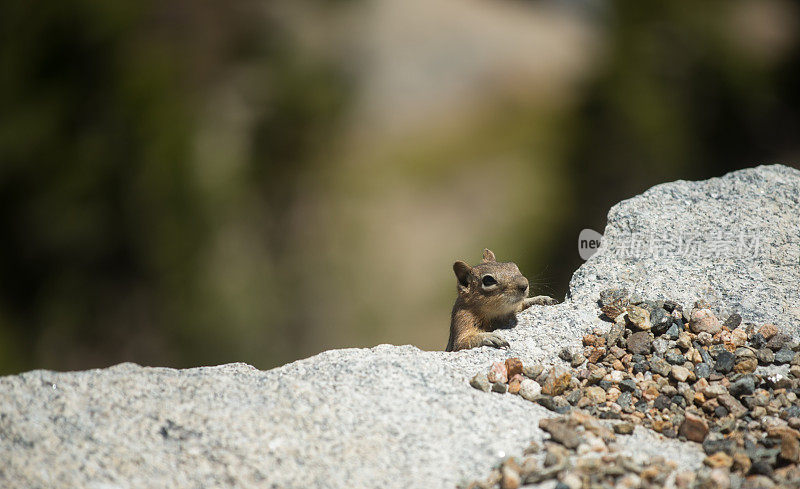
(488, 280)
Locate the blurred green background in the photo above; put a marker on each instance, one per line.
(192, 182)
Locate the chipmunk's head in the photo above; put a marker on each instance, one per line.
(496, 288)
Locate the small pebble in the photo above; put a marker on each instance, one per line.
(768, 331)
(673, 332)
(623, 428)
(662, 402)
(733, 321)
(660, 366)
(757, 341)
(744, 386)
(704, 321)
(498, 373)
(679, 373)
(499, 387)
(725, 362)
(703, 370)
(529, 389)
(638, 318)
(765, 356)
(784, 355)
(577, 360)
(778, 341)
(532, 371)
(513, 367)
(557, 381)
(684, 341)
(480, 382)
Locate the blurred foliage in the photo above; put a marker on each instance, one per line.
(147, 218)
(686, 92)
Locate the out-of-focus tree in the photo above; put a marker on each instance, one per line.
(106, 223)
(685, 91)
(196, 182)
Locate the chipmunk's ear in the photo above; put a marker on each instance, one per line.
(488, 256)
(462, 273)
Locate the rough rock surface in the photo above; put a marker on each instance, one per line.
(695, 229)
(397, 416)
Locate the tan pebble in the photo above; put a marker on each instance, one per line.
(513, 367)
(510, 478)
(790, 448)
(710, 405)
(638, 317)
(768, 331)
(684, 341)
(572, 480)
(616, 376)
(683, 480)
(720, 479)
(789, 473)
(704, 321)
(746, 365)
(494, 478)
(616, 352)
(718, 460)
(694, 427)
(498, 373)
(595, 394)
(715, 389)
(701, 385)
(596, 355)
(704, 338)
(679, 373)
(557, 381)
(741, 462)
(649, 473)
(650, 393)
(738, 337)
(699, 398)
(628, 481)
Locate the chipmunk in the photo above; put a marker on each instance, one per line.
(489, 297)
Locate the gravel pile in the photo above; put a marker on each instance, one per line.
(731, 386)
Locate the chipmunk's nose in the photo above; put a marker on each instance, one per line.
(522, 284)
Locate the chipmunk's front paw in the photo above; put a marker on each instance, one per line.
(493, 340)
(540, 300)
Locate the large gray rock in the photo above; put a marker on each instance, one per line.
(733, 241)
(393, 416)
